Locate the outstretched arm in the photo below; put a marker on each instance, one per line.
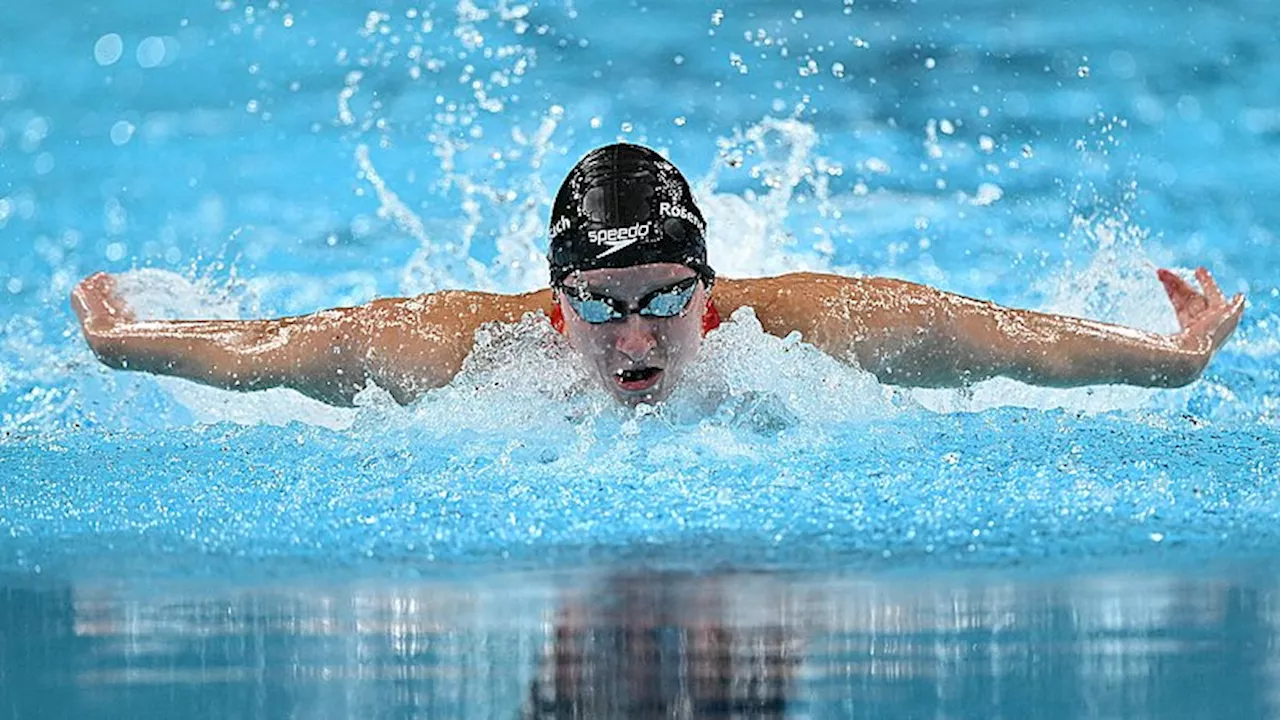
(909, 334)
(405, 345)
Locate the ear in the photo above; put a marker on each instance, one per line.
(710, 318)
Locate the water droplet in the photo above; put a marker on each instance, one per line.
(108, 49)
(876, 165)
(121, 132)
(151, 52)
(987, 194)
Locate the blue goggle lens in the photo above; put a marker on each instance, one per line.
(594, 311)
(663, 303)
(670, 302)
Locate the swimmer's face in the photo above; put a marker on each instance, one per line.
(638, 358)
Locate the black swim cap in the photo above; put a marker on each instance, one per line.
(624, 205)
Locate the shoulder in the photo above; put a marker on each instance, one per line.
(781, 291)
(815, 303)
(420, 342)
(461, 307)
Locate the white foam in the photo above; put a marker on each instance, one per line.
(744, 376)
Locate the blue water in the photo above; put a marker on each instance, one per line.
(786, 537)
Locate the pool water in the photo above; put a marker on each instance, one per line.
(786, 537)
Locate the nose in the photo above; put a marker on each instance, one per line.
(636, 338)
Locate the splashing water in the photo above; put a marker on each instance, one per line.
(450, 124)
(989, 551)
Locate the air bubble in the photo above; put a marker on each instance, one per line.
(108, 49)
(122, 132)
(151, 52)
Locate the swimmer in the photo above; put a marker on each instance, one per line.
(632, 292)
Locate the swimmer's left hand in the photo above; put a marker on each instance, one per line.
(1206, 318)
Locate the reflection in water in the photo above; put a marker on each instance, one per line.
(648, 646)
(627, 645)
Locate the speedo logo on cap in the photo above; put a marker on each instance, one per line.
(682, 212)
(616, 239)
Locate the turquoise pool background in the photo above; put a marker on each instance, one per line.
(998, 551)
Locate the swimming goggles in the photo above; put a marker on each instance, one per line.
(664, 302)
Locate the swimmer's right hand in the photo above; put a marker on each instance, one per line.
(102, 312)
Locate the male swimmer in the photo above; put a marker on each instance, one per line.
(632, 292)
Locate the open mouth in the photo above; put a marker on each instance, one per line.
(637, 379)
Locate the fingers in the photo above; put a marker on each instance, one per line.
(1187, 303)
(84, 298)
(1208, 320)
(1230, 320)
(1211, 291)
(1176, 288)
(1214, 327)
(1173, 284)
(96, 304)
